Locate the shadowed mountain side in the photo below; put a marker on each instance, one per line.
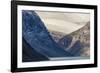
(29, 54)
(38, 37)
(76, 49)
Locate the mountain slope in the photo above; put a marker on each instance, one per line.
(38, 37)
(83, 35)
(68, 41)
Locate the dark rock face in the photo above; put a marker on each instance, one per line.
(38, 37)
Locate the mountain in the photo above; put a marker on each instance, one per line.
(79, 39)
(67, 43)
(83, 35)
(38, 37)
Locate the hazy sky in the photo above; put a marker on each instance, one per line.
(64, 22)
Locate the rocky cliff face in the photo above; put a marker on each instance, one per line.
(82, 35)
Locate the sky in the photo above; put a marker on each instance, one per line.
(64, 22)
